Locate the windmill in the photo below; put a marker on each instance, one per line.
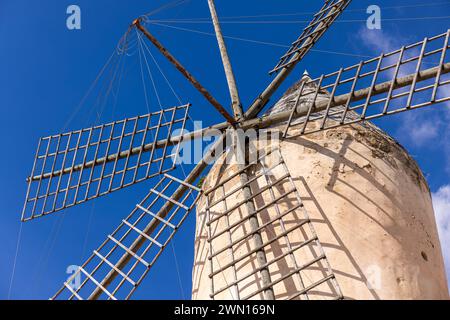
(239, 247)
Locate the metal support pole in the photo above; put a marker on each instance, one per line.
(231, 80)
(261, 259)
(184, 72)
(265, 96)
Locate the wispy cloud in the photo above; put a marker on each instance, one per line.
(441, 204)
(419, 130)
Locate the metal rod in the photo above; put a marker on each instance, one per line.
(72, 291)
(231, 80)
(333, 93)
(152, 154)
(181, 182)
(184, 72)
(110, 296)
(297, 101)
(374, 81)
(159, 194)
(138, 161)
(313, 106)
(155, 216)
(113, 267)
(416, 75)
(230, 242)
(441, 62)
(57, 194)
(169, 130)
(52, 169)
(210, 249)
(394, 79)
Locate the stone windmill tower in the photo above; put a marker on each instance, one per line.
(309, 201)
(366, 199)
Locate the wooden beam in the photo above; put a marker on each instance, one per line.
(231, 80)
(184, 72)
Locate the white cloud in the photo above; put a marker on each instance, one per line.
(441, 204)
(419, 130)
(416, 128)
(424, 132)
(379, 41)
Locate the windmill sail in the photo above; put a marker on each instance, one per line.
(412, 77)
(322, 20)
(74, 167)
(118, 266)
(277, 204)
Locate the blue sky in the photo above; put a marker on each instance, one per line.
(46, 70)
